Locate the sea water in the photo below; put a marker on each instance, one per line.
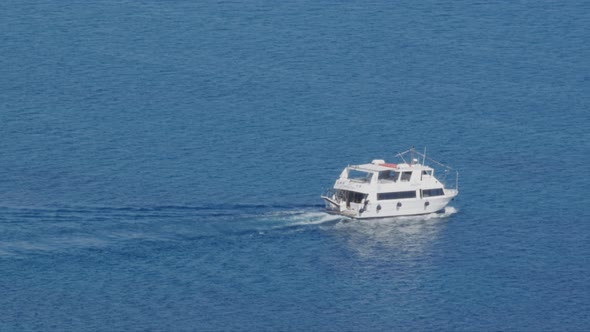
(161, 164)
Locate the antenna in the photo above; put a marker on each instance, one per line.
(424, 157)
(401, 155)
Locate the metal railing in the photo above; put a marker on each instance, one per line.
(439, 168)
(329, 192)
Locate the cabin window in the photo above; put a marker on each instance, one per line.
(433, 192)
(356, 197)
(359, 176)
(396, 195)
(406, 176)
(426, 172)
(388, 175)
(351, 196)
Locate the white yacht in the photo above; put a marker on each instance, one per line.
(381, 189)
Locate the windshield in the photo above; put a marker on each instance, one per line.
(359, 176)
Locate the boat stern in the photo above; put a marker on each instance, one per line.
(331, 204)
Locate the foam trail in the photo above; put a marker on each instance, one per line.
(291, 218)
(314, 218)
(449, 210)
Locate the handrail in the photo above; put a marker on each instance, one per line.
(438, 163)
(400, 154)
(329, 192)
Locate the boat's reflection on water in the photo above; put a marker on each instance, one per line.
(399, 238)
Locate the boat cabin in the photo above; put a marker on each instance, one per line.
(382, 189)
(380, 181)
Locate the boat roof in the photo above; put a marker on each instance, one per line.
(388, 167)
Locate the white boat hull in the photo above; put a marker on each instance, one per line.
(393, 208)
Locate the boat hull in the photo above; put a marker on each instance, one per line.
(387, 209)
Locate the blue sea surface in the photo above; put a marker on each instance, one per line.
(161, 164)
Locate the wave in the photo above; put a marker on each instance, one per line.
(65, 229)
(222, 209)
(302, 218)
(407, 235)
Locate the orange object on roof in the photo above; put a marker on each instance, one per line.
(389, 165)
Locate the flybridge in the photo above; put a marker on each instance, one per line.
(384, 189)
